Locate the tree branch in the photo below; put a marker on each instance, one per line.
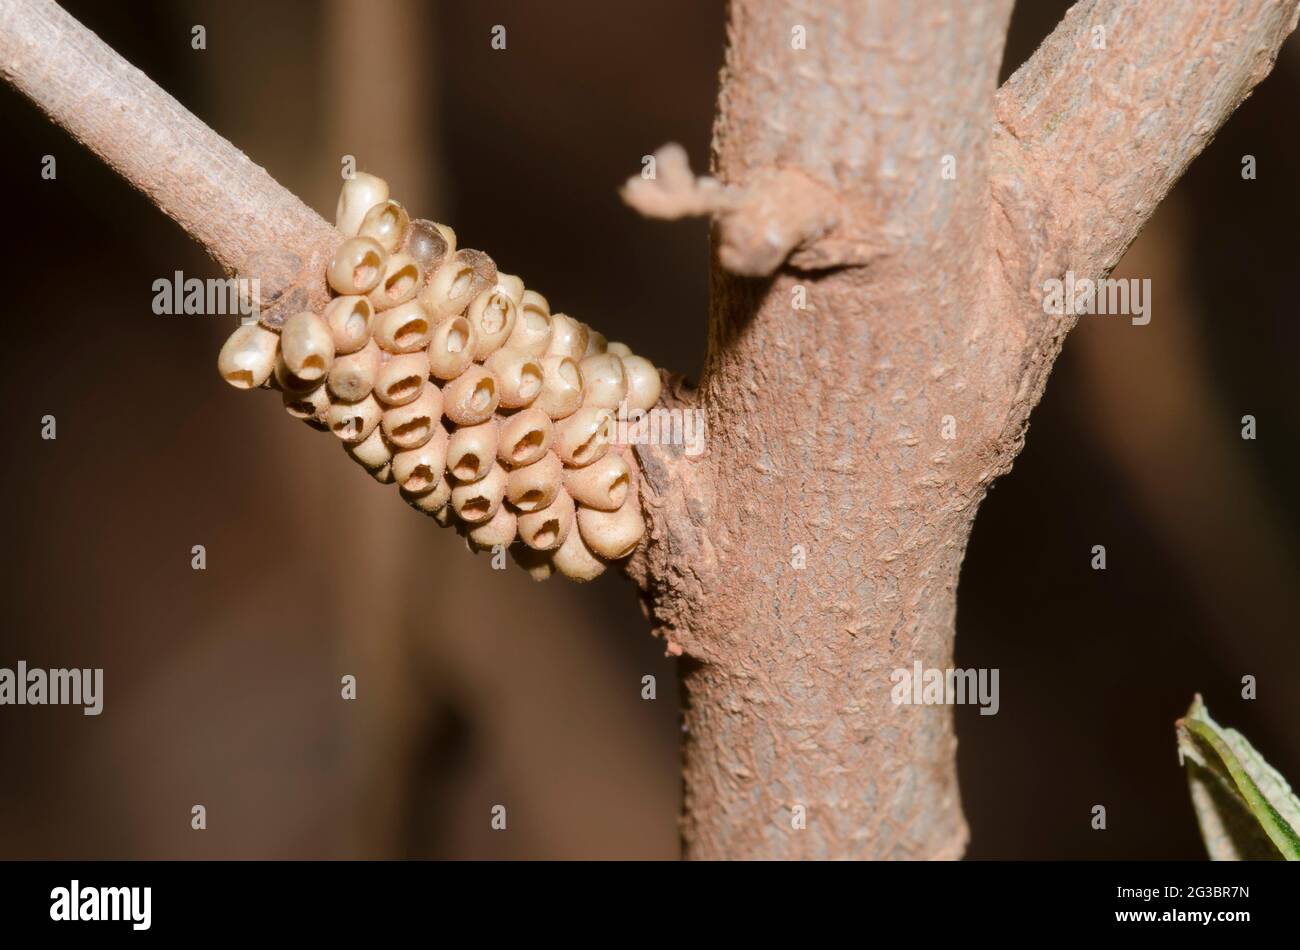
(247, 221)
(820, 548)
(816, 545)
(1108, 131)
(1087, 141)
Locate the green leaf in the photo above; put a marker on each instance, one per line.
(1246, 809)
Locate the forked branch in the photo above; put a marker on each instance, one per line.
(848, 132)
(1090, 134)
(1119, 99)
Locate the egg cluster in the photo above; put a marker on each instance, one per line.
(450, 379)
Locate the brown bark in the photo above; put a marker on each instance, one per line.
(826, 423)
(824, 432)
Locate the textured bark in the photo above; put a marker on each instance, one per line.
(1089, 141)
(827, 422)
(824, 432)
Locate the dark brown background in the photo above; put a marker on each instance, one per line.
(480, 688)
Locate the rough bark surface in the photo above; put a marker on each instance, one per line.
(909, 303)
(826, 425)
(824, 437)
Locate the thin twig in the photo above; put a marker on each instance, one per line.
(245, 219)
